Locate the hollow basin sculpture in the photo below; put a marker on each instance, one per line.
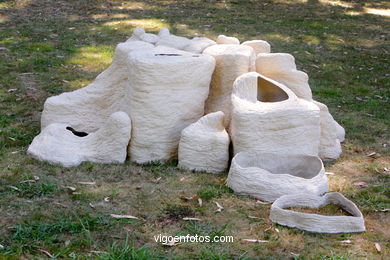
(267, 176)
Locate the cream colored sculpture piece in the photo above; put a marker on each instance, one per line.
(314, 222)
(168, 91)
(204, 145)
(139, 34)
(330, 147)
(281, 68)
(59, 143)
(231, 62)
(88, 108)
(267, 176)
(222, 39)
(259, 46)
(268, 117)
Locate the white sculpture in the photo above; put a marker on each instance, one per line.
(267, 176)
(59, 143)
(315, 222)
(168, 91)
(258, 46)
(231, 62)
(87, 109)
(281, 68)
(268, 117)
(204, 145)
(140, 35)
(222, 39)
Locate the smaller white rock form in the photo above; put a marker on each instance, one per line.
(267, 176)
(222, 39)
(199, 44)
(330, 147)
(57, 143)
(268, 117)
(315, 222)
(139, 34)
(281, 68)
(259, 46)
(204, 145)
(168, 91)
(231, 62)
(88, 108)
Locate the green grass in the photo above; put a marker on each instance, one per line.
(50, 47)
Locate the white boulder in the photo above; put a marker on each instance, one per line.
(259, 46)
(58, 143)
(231, 62)
(267, 176)
(268, 117)
(281, 68)
(88, 108)
(168, 91)
(204, 145)
(222, 39)
(314, 222)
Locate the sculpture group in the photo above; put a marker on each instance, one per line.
(166, 96)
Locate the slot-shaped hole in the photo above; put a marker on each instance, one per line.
(76, 133)
(269, 92)
(167, 54)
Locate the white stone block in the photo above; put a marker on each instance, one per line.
(222, 39)
(259, 46)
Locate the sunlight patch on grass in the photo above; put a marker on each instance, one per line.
(147, 24)
(93, 58)
(310, 39)
(338, 3)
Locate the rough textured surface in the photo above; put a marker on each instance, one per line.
(222, 39)
(88, 108)
(140, 35)
(267, 176)
(168, 91)
(199, 44)
(258, 46)
(231, 62)
(281, 68)
(316, 222)
(330, 147)
(56, 144)
(268, 117)
(204, 145)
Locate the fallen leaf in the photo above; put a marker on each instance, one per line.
(262, 202)
(97, 252)
(13, 187)
(71, 188)
(220, 208)
(76, 193)
(255, 240)
(46, 253)
(28, 181)
(157, 180)
(67, 243)
(12, 90)
(189, 198)
(91, 205)
(346, 241)
(123, 216)
(1, 246)
(87, 183)
(360, 184)
(329, 173)
(182, 178)
(106, 199)
(253, 217)
(378, 247)
(277, 230)
(192, 219)
(385, 210)
(371, 154)
(138, 187)
(200, 202)
(172, 243)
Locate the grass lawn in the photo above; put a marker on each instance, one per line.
(49, 47)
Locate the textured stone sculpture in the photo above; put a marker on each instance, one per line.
(168, 91)
(281, 68)
(267, 176)
(88, 108)
(268, 117)
(222, 39)
(204, 145)
(231, 62)
(315, 222)
(59, 143)
(258, 46)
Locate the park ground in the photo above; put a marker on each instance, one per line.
(49, 47)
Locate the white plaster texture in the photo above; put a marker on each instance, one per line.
(222, 39)
(259, 46)
(315, 222)
(281, 68)
(56, 144)
(88, 108)
(268, 117)
(231, 62)
(267, 176)
(204, 145)
(139, 34)
(168, 91)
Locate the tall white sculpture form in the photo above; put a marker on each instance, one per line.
(168, 92)
(269, 117)
(204, 145)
